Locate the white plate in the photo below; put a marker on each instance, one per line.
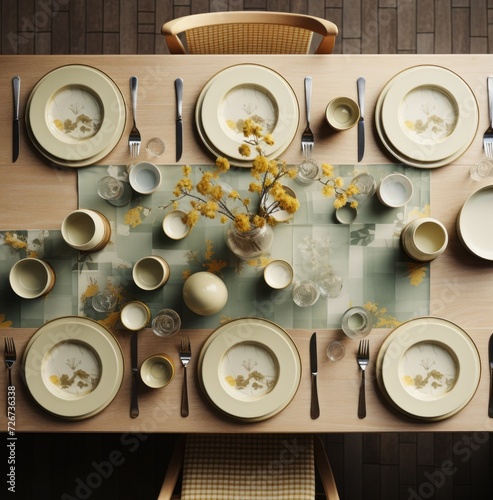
(422, 161)
(79, 91)
(240, 92)
(473, 220)
(428, 368)
(73, 367)
(250, 369)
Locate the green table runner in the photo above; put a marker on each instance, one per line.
(367, 253)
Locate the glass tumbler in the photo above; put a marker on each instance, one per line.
(330, 284)
(482, 170)
(104, 301)
(115, 191)
(336, 351)
(167, 322)
(308, 171)
(305, 293)
(357, 322)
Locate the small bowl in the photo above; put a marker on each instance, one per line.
(204, 293)
(346, 214)
(135, 315)
(31, 278)
(144, 177)
(157, 371)
(174, 227)
(151, 272)
(342, 113)
(395, 190)
(278, 274)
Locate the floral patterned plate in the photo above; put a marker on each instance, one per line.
(428, 368)
(420, 157)
(75, 112)
(73, 367)
(247, 91)
(429, 113)
(250, 369)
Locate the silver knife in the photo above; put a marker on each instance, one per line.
(134, 402)
(179, 118)
(490, 360)
(16, 87)
(314, 407)
(360, 83)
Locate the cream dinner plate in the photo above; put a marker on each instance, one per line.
(75, 113)
(428, 368)
(249, 369)
(471, 229)
(429, 113)
(419, 150)
(241, 92)
(73, 367)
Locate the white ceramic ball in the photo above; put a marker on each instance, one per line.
(204, 293)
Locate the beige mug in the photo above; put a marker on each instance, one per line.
(151, 272)
(31, 278)
(86, 230)
(424, 239)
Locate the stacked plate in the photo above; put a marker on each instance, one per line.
(426, 116)
(249, 369)
(240, 92)
(471, 227)
(73, 367)
(428, 368)
(75, 116)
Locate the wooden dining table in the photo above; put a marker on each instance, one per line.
(37, 194)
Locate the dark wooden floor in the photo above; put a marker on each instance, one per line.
(387, 466)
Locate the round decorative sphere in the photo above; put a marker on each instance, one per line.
(204, 293)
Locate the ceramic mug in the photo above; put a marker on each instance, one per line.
(395, 190)
(342, 113)
(31, 278)
(424, 239)
(86, 230)
(144, 177)
(151, 272)
(157, 371)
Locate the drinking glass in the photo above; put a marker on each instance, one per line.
(482, 170)
(305, 293)
(308, 171)
(104, 301)
(115, 191)
(357, 322)
(336, 351)
(166, 323)
(366, 185)
(330, 284)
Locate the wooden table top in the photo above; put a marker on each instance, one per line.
(37, 194)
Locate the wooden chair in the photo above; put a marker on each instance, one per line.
(249, 32)
(267, 466)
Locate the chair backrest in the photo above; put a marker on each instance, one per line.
(249, 32)
(267, 466)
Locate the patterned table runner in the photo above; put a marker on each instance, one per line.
(367, 253)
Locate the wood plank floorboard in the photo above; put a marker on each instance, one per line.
(387, 466)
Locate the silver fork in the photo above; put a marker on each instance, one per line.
(307, 139)
(185, 356)
(9, 356)
(134, 140)
(488, 135)
(363, 358)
